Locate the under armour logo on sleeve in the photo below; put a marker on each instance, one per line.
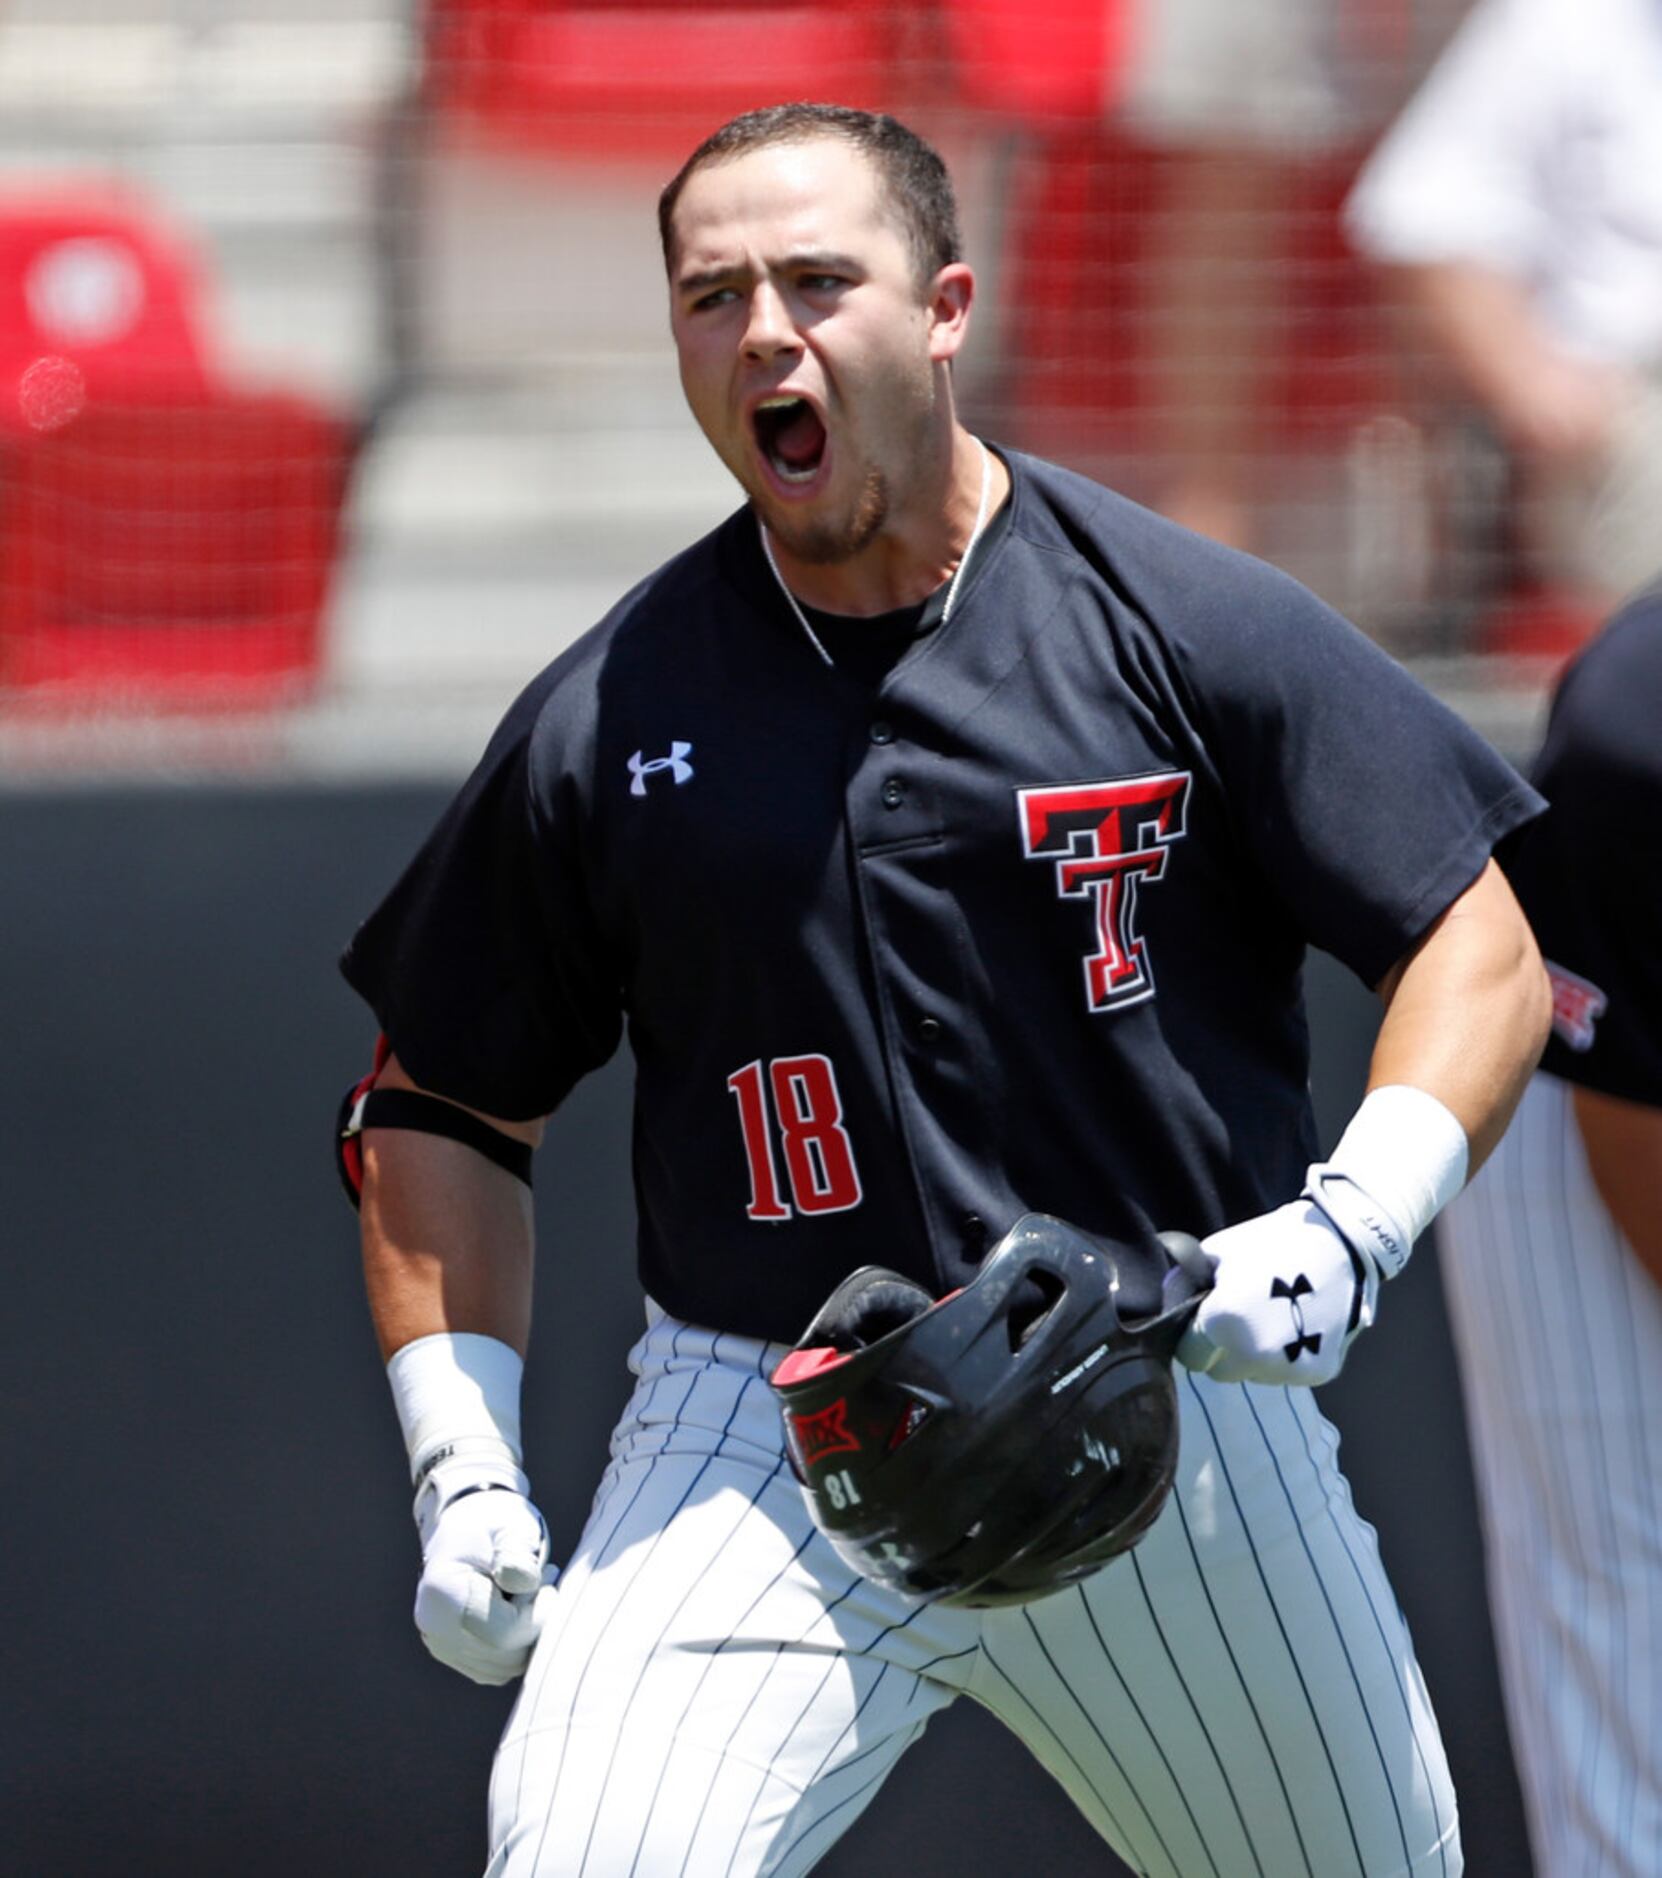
(676, 763)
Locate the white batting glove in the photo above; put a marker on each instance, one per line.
(484, 1545)
(484, 1559)
(1290, 1294)
(1293, 1289)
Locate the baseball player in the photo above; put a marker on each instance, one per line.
(1552, 1262)
(947, 834)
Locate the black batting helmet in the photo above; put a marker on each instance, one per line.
(1009, 1439)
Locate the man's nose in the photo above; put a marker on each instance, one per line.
(770, 329)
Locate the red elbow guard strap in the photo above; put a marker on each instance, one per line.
(364, 1106)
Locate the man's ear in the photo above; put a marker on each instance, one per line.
(951, 293)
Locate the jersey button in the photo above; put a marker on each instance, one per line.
(929, 1030)
(882, 731)
(894, 793)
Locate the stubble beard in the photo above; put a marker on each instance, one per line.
(829, 541)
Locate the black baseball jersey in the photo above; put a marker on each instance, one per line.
(1589, 874)
(1022, 928)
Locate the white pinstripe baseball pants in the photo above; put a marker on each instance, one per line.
(1559, 1331)
(717, 1694)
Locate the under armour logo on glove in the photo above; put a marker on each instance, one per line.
(1292, 1262)
(1301, 1287)
(676, 763)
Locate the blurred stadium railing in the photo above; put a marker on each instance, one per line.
(335, 388)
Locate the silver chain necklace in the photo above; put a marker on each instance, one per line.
(957, 572)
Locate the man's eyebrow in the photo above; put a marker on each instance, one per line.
(810, 260)
(824, 261)
(706, 277)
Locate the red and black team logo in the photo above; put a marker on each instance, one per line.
(1106, 837)
(822, 1433)
(1577, 1006)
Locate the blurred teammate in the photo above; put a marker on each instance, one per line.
(948, 833)
(1552, 1261)
(1518, 201)
(1240, 98)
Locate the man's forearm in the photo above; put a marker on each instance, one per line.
(1467, 1013)
(447, 1241)
(447, 1247)
(447, 1235)
(1480, 320)
(1483, 323)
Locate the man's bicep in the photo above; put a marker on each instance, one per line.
(1489, 910)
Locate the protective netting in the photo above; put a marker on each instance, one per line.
(333, 367)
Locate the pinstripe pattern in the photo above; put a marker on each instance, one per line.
(1013, 1699)
(716, 1695)
(1353, 1679)
(1249, 1666)
(1218, 1637)
(1246, 1837)
(1560, 1338)
(1361, 1551)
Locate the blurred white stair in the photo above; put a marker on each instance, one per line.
(488, 529)
(258, 127)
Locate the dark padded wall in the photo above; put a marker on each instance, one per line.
(206, 1664)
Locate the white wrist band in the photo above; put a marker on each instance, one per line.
(1406, 1152)
(456, 1391)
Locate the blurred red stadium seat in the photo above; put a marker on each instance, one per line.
(170, 556)
(99, 299)
(615, 78)
(1042, 60)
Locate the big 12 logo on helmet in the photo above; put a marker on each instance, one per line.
(823, 1433)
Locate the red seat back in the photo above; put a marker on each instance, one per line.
(618, 78)
(98, 300)
(1042, 60)
(175, 555)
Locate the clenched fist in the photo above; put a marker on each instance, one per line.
(1293, 1288)
(484, 1550)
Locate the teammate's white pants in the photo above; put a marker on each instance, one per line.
(1559, 1331)
(717, 1694)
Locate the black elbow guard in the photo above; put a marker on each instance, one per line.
(364, 1106)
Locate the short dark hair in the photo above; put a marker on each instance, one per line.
(910, 171)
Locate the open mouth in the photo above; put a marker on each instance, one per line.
(791, 437)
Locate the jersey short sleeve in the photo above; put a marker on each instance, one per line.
(484, 963)
(1590, 877)
(1366, 804)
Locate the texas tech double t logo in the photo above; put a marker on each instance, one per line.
(1105, 837)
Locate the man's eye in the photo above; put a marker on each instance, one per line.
(718, 296)
(820, 283)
